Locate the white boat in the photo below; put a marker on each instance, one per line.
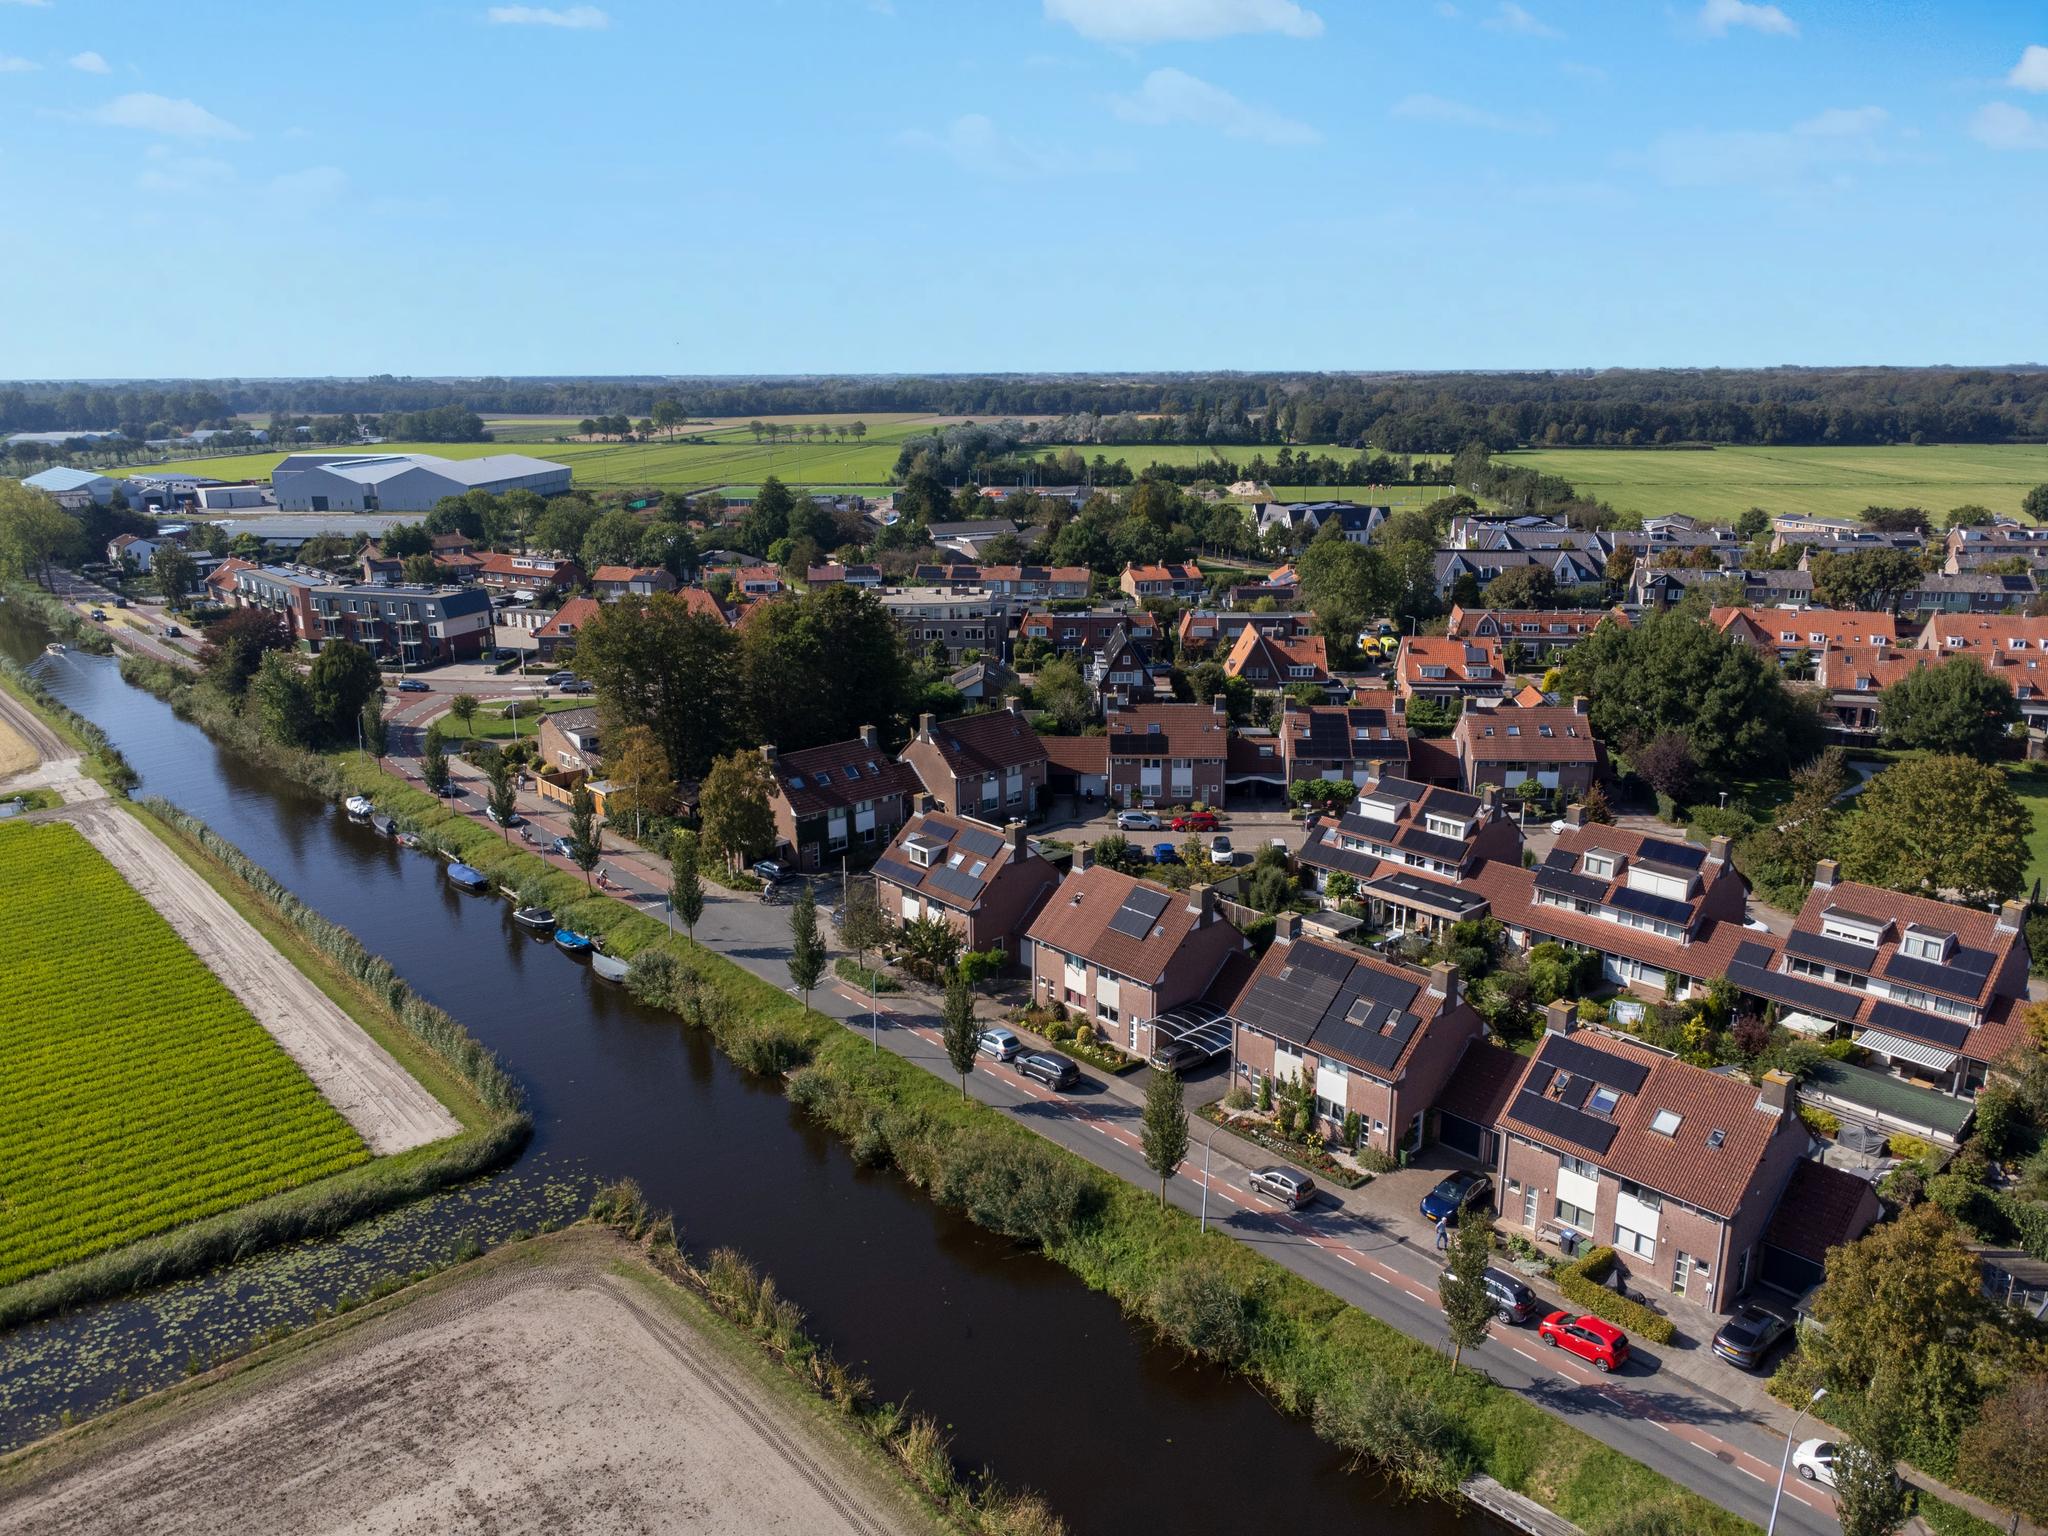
(55, 647)
(609, 967)
(359, 805)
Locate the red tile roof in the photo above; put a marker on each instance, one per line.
(1276, 967)
(1518, 733)
(1179, 570)
(1485, 1079)
(1834, 626)
(838, 774)
(1821, 1208)
(1895, 910)
(1077, 754)
(1277, 657)
(993, 740)
(1169, 730)
(1454, 656)
(697, 600)
(1077, 921)
(572, 616)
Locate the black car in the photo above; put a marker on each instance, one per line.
(1513, 1302)
(1747, 1337)
(1049, 1068)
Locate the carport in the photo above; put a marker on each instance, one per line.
(1197, 1025)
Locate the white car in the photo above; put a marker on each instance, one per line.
(1815, 1461)
(1137, 821)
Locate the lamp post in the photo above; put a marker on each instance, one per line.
(1207, 1142)
(1786, 1462)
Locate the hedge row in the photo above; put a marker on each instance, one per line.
(1581, 1281)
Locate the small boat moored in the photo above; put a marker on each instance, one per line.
(570, 942)
(383, 825)
(358, 806)
(609, 967)
(55, 647)
(539, 919)
(409, 840)
(467, 878)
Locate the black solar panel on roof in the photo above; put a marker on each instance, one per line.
(1749, 952)
(1561, 858)
(895, 869)
(1895, 1019)
(1377, 1041)
(1953, 979)
(2016, 583)
(1574, 1126)
(979, 841)
(1400, 789)
(1818, 946)
(1563, 1052)
(955, 882)
(1420, 891)
(1140, 911)
(1663, 908)
(1585, 887)
(1675, 855)
(1447, 802)
(1573, 1094)
(1810, 996)
(1416, 840)
(1148, 901)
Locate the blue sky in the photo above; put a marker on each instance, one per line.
(677, 186)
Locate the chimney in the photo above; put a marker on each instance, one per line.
(1220, 707)
(1717, 849)
(871, 738)
(923, 803)
(1014, 707)
(1286, 927)
(1443, 983)
(1824, 872)
(1775, 1092)
(1489, 796)
(1084, 857)
(1575, 816)
(1018, 840)
(2012, 917)
(924, 727)
(768, 756)
(1558, 1018)
(1202, 902)
(1580, 704)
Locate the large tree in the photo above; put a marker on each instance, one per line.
(1062, 692)
(1670, 673)
(1954, 706)
(277, 693)
(733, 808)
(2036, 504)
(614, 539)
(1874, 579)
(639, 772)
(1344, 585)
(2004, 1454)
(174, 572)
(34, 532)
(817, 668)
(339, 684)
(1521, 586)
(957, 1027)
(235, 645)
(657, 663)
(1468, 1306)
(1939, 826)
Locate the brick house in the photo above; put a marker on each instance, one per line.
(1122, 673)
(1434, 667)
(528, 573)
(987, 765)
(559, 632)
(568, 742)
(1540, 633)
(988, 882)
(1169, 754)
(1373, 1038)
(1509, 745)
(1680, 1169)
(611, 581)
(1413, 850)
(1121, 951)
(1790, 633)
(1270, 663)
(842, 800)
(1178, 578)
(1352, 741)
(1213, 629)
(1069, 634)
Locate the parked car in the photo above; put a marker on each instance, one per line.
(1513, 1301)
(100, 614)
(172, 632)
(1747, 1337)
(1453, 1193)
(768, 872)
(1221, 851)
(1136, 821)
(556, 679)
(1815, 1461)
(412, 685)
(1165, 853)
(1290, 1186)
(579, 686)
(1050, 1068)
(1175, 1056)
(1000, 1043)
(120, 602)
(1591, 1338)
(1195, 821)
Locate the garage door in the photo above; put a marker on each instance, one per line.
(1789, 1271)
(1461, 1135)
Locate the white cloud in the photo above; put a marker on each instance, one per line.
(315, 184)
(1159, 21)
(173, 117)
(1170, 96)
(12, 64)
(578, 18)
(91, 63)
(1512, 18)
(2031, 73)
(1422, 107)
(1580, 71)
(1819, 149)
(2002, 125)
(976, 144)
(1718, 16)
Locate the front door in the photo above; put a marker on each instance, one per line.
(1529, 1207)
(1681, 1272)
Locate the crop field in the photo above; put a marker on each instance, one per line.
(1721, 483)
(136, 1092)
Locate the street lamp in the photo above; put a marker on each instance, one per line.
(1207, 1142)
(1818, 1394)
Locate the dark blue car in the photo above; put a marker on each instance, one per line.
(1165, 853)
(1453, 1193)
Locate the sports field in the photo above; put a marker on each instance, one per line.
(136, 1092)
(1721, 483)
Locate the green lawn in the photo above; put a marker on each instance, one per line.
(2031, 785)
(1723, 482)
(136, 1092)
(492, 724)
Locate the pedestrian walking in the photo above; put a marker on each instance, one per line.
(1443, 1233)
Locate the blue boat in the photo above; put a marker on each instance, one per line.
(573, 943)
(469, 879)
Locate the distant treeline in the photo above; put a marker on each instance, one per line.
(1388, 413)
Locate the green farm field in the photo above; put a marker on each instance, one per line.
(136, 1092)
(1721, 483)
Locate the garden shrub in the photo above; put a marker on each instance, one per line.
(1581, 1282)
(1401, 1427)
(1016, 1186)
(1199, 1306)
(1820, 1121)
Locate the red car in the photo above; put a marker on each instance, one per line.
(1195, 821)
(1605, 1345)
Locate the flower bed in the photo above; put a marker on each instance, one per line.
(1067, 1037)
(1257, 1131)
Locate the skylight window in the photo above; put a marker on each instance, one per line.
(1602, 1100)
(796, 781)
(1666, 1122)
(1715, 1138)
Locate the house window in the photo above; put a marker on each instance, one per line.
(1600, 865)
(1634, 1242)
(1574, 1215)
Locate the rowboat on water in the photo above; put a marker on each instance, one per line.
(358, 805)
(571, 942)
(537, 919)
(609, 967)
(468, 879)
(55, 647)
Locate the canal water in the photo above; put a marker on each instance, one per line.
(1034, 1375)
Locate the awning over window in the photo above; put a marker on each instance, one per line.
(1806, 1023)
(1899, 1048)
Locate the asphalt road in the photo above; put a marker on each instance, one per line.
(1726, 1452)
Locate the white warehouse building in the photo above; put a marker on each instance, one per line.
(404, 482)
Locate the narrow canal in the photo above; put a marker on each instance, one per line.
(1035, 1375)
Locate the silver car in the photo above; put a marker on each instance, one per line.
(1002, 1044)
(1290, 1186)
